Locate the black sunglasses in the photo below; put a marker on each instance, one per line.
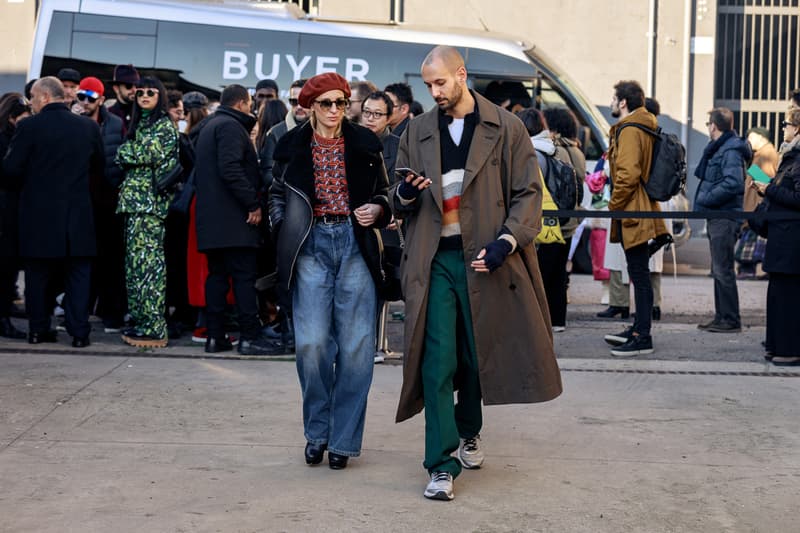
(293, 101)
(149, 92)
(83, 97)
(787, 123)
(340, 103)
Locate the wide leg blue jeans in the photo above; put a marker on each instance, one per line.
(334, 301)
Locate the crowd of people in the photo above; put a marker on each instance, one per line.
(164, 212)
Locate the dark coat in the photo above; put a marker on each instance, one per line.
(390, 142)
(266, 156)
(105, 187)
(51, 156)
(783, 194)
(293, 194)
(113, 132)
(722, 187)
(227, 181)
(511, 322)
(124, 113)
(9, 207)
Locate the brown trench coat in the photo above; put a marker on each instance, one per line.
(513, 337)
(630, 162)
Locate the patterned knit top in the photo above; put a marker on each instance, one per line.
(330, 181)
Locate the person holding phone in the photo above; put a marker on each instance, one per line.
(476, 312)
(326, 205)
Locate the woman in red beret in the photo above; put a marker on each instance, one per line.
(329, 197)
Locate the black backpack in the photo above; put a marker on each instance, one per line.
(561, 181)
(668, 170)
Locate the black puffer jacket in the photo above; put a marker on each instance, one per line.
(113, 132)
(227, 180)
(292, 199)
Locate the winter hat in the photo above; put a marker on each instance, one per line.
(320, 84)
(69, 74)
(92, 87)
(194, 100)
(267, 84)
(125, 74)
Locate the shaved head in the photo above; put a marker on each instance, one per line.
(445, 76)
(447, 55)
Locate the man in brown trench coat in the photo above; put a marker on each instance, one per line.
(476, 313)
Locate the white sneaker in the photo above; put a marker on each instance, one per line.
(379, 357)
(440, 487)
(470, 453)
(559, 329)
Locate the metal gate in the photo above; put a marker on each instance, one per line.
(757, 61)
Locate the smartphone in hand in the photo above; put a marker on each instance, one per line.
(402, 172)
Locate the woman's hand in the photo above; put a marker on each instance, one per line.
(367, 214)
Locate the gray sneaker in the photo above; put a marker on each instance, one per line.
(470, 453)
(440, 487)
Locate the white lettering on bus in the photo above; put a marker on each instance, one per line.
(235, 66)
(276, 65)
(322, 61)
(353, 73)
(297, 70)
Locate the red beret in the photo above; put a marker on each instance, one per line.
(320, 84)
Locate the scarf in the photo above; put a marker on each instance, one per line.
(709, 152)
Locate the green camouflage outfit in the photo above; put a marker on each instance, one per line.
(153, 150)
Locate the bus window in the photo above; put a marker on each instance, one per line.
(549, 97)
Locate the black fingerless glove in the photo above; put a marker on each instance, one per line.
(496, 253)
(407, 191)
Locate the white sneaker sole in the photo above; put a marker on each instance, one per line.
(615, 340)
(439, 495)
(618, 353)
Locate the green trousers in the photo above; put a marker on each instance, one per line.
(146, 273)
(449, 356)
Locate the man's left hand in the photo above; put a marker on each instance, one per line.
(367, 214)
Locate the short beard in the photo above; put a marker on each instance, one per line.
(615, 113)
(458, 95)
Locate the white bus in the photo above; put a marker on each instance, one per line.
(204, 46)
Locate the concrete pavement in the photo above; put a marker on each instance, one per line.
(174, 445)
(701, 436)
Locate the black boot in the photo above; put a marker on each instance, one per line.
(8, 330)
(613, 310)
(656, 313)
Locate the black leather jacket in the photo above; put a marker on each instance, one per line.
(292, 195)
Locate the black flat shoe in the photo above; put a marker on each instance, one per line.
(80, 342)
(336, 461)
(223, 344)
(613, 310)
(43, 336)
(314, 453)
